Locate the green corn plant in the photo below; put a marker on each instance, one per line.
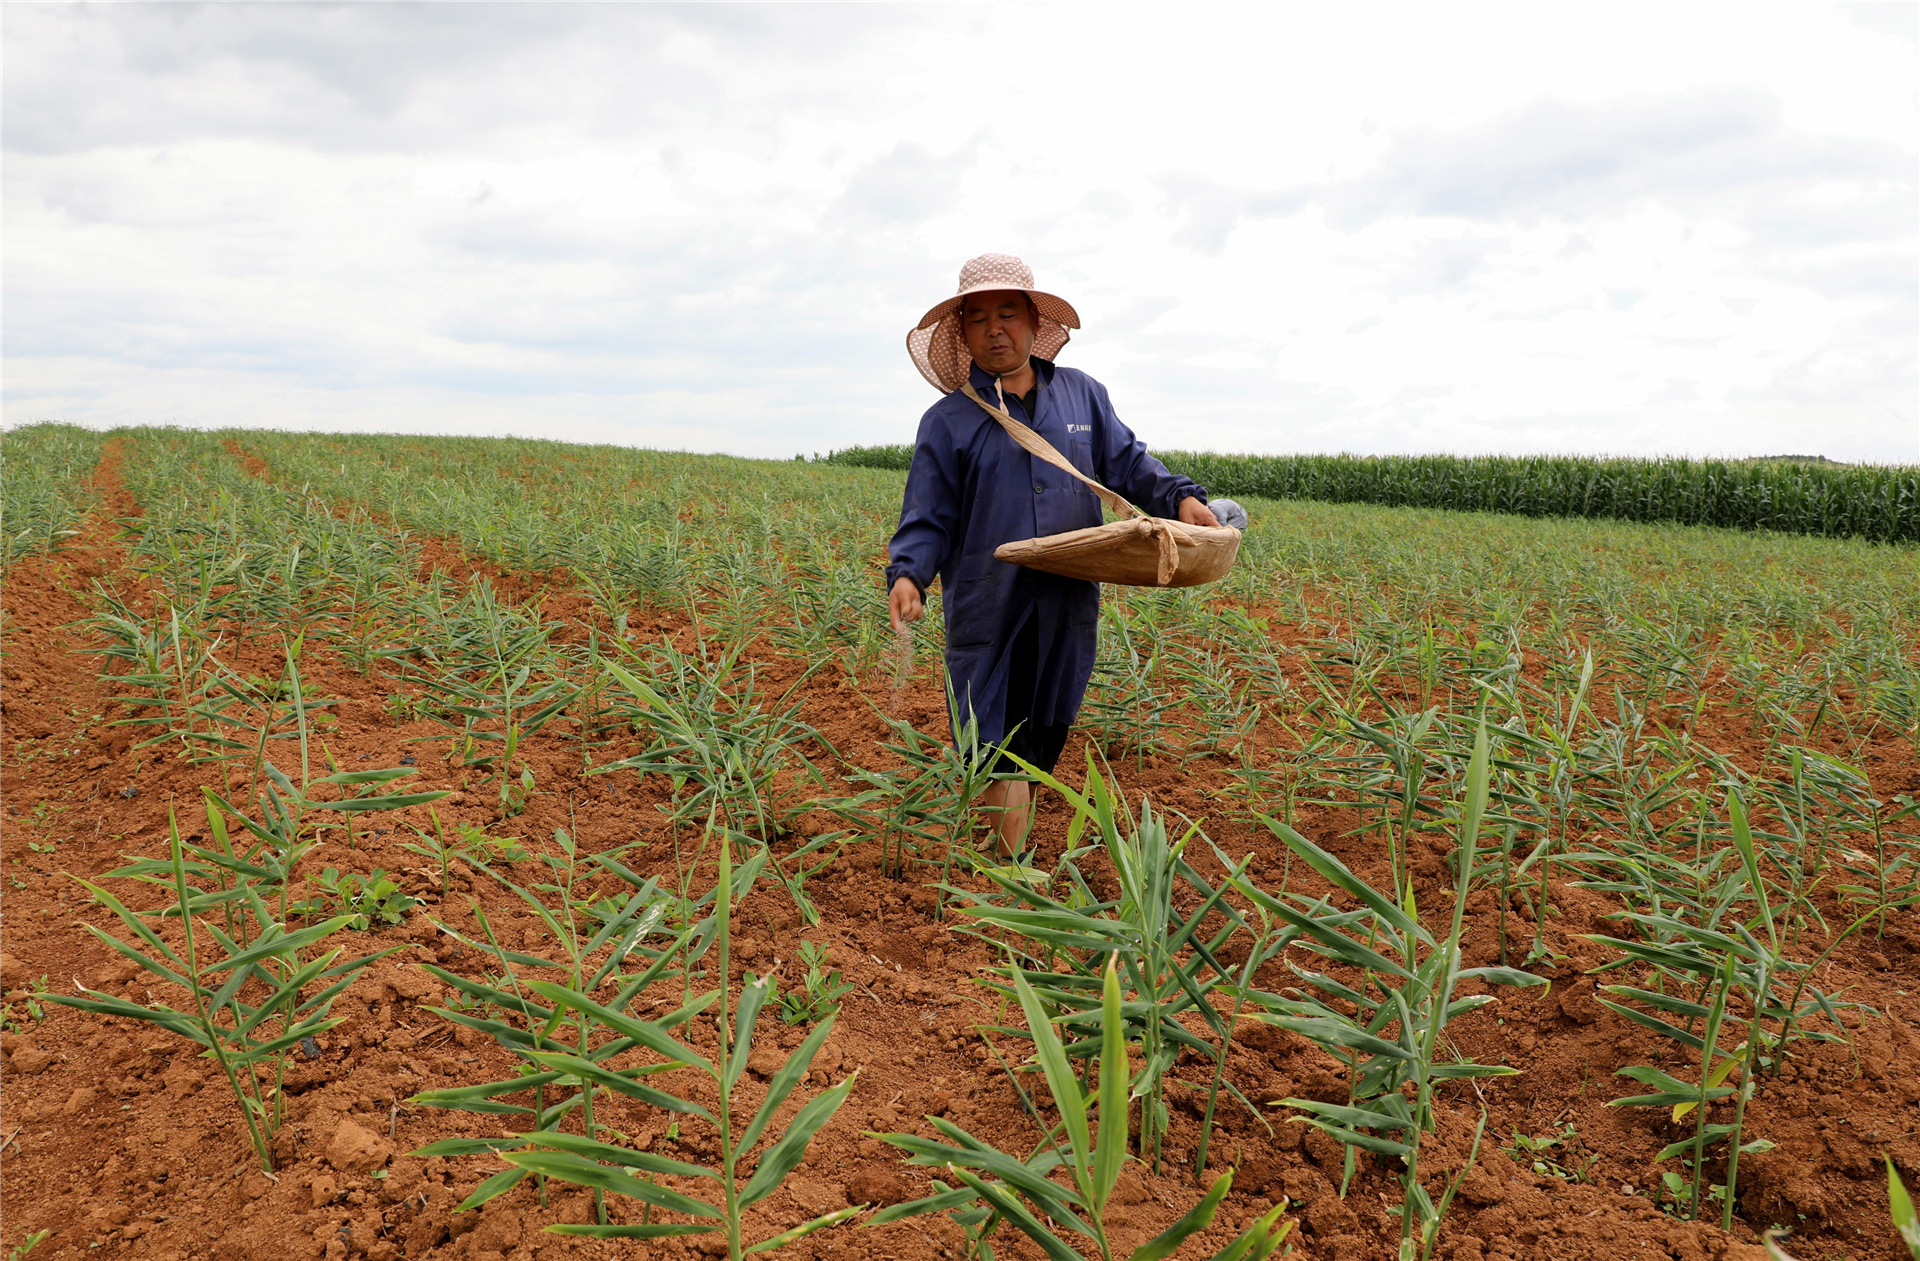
(1170, 966)
(1876, 502)
(1089, 1142)
(1395, 1016)
(607, 1168)
(248, 1004)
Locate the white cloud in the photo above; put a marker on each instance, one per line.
(1469, 228)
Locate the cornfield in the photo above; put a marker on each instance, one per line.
(1876, 502)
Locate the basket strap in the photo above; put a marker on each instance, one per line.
(1034, 444)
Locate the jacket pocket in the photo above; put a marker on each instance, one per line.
(1083, 606)
(972, 611)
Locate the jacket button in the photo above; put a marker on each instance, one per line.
(1038, 489)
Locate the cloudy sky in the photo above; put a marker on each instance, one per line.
(1618, 228)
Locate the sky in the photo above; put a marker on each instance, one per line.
(1474, 228)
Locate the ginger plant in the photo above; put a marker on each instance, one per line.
(258, 955)
(1389, 1024)
(720, 744)
(1702, 963)
(1169, 965)
(1089, 1142)
(606, 1031)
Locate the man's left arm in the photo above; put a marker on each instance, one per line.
(1133, 471)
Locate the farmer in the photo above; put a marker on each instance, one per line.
(1020, 642)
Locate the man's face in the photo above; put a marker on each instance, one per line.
(998, 328)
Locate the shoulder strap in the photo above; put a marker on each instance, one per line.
(1034, 444)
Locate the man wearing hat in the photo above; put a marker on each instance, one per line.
(1020, 642)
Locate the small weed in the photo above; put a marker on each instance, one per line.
(28, 1244)
(31, 1012)
(473, 846)
(478, 847)
(370, 899)
(514, 793)
(1574, 1164)
(1675, 1195)
(820, 992)
(402, 708)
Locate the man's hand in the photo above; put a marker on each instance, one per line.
(904, 604)
(1193, 512)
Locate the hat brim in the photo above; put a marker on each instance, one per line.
(940, 353)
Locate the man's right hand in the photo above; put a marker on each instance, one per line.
(904, 603)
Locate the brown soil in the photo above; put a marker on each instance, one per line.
(118, 1141)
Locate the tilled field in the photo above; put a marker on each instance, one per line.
(120, 1140)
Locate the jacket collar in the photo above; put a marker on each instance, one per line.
(983, 381)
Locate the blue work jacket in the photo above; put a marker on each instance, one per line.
(971, 488)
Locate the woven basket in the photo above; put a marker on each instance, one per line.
(1143, 552)
(1138, 551)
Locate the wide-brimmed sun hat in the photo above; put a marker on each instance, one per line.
(935, 344)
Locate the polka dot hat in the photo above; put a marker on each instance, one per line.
(935, 344)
